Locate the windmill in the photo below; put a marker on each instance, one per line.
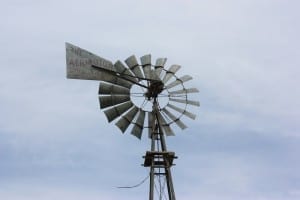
(138, 97)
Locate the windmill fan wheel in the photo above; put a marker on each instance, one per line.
(131, 104)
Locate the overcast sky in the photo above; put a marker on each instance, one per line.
(244, 56)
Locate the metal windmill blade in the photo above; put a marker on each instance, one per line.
(160, 63)
(182, 111)
(106, 88)
(121, 69)
(134, 66)
(178, 81)
(163, 123)
(139, 125)
(111, 100)
(125, 120)
(184, 91)
(146, 65)
(117, 111)
(174, 118)
(150, 124)
(170, 72)
(185, 101)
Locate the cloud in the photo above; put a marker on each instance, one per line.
(56, 143)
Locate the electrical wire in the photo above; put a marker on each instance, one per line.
(134, 186)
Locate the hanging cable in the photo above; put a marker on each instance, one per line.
(134, 186)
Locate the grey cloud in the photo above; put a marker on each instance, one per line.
(243, 56)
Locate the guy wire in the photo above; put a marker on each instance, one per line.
(134, 186)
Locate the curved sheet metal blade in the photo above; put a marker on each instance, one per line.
(150, 124)
(146, 65)
(184, 91)
(111, 100)
(124, 71)
(134, 66)
(116, 111)
(164, 125)
(139, 125)
(175, 119)
(125, 120)
(106, 88)
(153, 75)
(172, 70)
(122, 124)
(115, 80)
(180, 110)
(159, 65)
(194, 103)
(178, 81)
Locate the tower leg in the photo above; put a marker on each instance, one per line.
(160, 161)
(168, 174)
(151, 193)
(170, 186)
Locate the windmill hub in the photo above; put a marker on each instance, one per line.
(155, 88)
